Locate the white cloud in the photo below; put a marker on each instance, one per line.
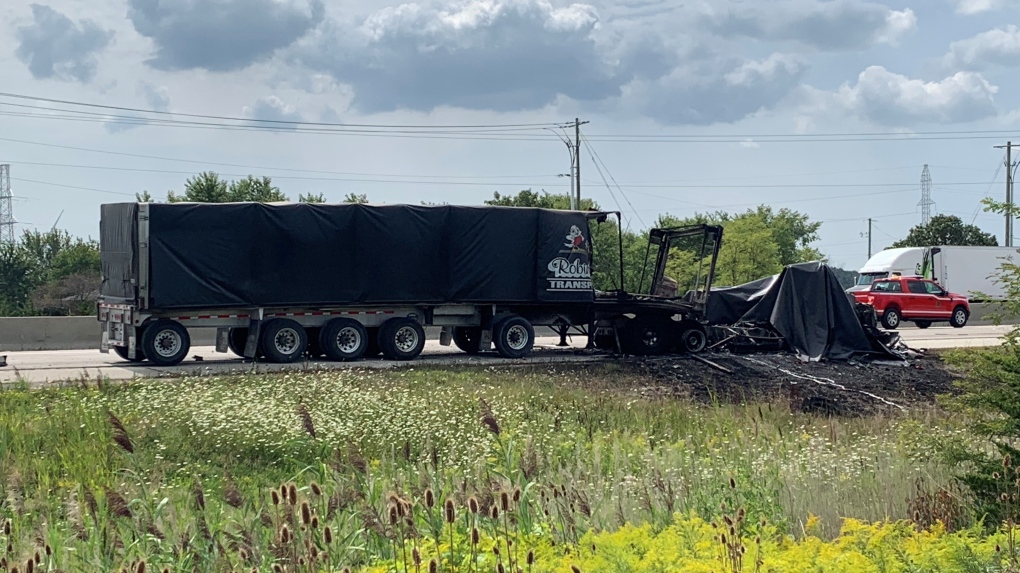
(54, 46)
(221, 35)
(273, 109)
(707, 91)
(478, 54)
(888, 98)
(1000, 46)
(971, 7)
(835, 25)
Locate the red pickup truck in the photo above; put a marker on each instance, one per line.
(916, 300)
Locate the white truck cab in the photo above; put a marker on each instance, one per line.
(890, 262)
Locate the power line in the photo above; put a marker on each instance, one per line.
(596, 159)
(273, 121)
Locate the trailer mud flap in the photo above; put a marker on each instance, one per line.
(222, 339)
(254, 332)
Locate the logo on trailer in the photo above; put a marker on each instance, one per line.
(571, 273)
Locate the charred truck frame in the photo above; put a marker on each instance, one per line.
(284, 281)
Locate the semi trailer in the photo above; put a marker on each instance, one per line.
(280, 282)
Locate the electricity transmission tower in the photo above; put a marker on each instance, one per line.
(926, 203)
(6, 206)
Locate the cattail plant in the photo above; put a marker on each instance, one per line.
(120, 434)
(306, 420)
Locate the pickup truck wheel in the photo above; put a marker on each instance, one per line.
(344, 339)
(237, 339)
(648, 336)
(283, 341)
(922, 323)
(467, 338)
(122, 351)
(165, 343)
(401, 339)
(514, 337)
(891, 318)
(960, 316)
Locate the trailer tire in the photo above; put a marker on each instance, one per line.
(401, 339)
(372, 349)
(693, 338)
(237, 339)
(514, 337)
(959, 318)
(922, 323)
(283, 341)
(122, 351)
(343, 339)
(648, 335)
(165, 342)
(467, 338)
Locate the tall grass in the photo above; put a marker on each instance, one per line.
(421, 468)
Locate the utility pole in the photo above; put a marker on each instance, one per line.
(869, 238)
(577, 158)
(6, 206)
(1009, 191)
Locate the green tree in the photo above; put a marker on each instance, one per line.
(991, 399)
(793, 232)
(355, 198)
(20, 274)
(946, 230)
(317, 198)
(259, 190)
(206, 187)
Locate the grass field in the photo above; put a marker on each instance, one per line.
(384, 470)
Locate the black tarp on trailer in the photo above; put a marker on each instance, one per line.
(251, 254)
(807, 306)
(118, 235)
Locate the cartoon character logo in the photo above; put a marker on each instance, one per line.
(575, 239)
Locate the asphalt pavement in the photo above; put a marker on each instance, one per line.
(40, 368)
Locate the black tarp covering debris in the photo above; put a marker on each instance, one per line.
(808, 308)
(250, 254)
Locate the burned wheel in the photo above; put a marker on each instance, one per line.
(648, 335)
(693, 338)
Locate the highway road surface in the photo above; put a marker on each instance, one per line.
(43, 367)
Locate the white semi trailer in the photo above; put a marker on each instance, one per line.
(968, 270)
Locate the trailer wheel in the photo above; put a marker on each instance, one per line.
(122, 351)
(648, 335)
(237, 339)
(467, 338)
(693, 338)
(922, 323)
(283, 340)
(401, 339)
(343, 339)
(165, 343)
(514, 337)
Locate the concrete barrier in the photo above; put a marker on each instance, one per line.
(68, 333)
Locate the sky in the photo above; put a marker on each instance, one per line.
(831, 108)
